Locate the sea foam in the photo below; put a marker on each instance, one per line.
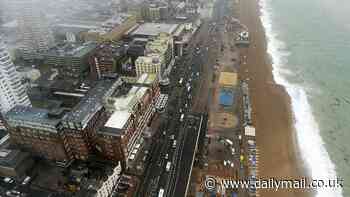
(310, 143)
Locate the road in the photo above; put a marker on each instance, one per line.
(194, 70)
(172, 128)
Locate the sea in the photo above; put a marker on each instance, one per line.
(309, 45)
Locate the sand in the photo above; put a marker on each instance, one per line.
(272, 116)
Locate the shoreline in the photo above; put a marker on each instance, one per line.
(272, 111)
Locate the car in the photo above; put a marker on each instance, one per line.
(13, 193)
(174, 144)
(182, 117)
(168, 165)
(8, 180)
(26, 180)
(233, 151)
(166, 156)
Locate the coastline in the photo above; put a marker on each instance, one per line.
(279, 155)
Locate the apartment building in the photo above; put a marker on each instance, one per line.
(131, 109)
(38, 131)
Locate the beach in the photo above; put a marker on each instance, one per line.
(272, 116)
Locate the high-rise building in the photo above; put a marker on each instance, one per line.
(12, 91)
(33, 29)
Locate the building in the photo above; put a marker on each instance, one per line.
(150, 64)
(38, 131)
(158, 55)
(111, 58)
(108, 121)
(12, 91)
(163, 45)
(71, 59)
(137, 48)
(131, 108)
(242, 38)
(33, 30)
(62, 134)
(179, 33)
(108, 186)
(14, 163)
(112, 29)
(82, 122)
(149, 30)
(154, 11)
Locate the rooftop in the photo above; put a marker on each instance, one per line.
(127, 102)
(118, 119)
(31, 117)
(159, 44)
(71, 50)
(151, 58)
(89, 104)
(110, 24)
(153, 29)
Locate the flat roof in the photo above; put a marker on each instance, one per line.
(89, 104)
(126, 102)
(71, 50)
(228, 79)
(153, 29)
(118, 119)
(31, 116)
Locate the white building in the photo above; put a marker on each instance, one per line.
(150, 64)
(33, 29)
(12, 91)
(159, 54)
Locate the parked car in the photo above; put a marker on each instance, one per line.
(8, 180)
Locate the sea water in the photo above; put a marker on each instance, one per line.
(309, 44)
